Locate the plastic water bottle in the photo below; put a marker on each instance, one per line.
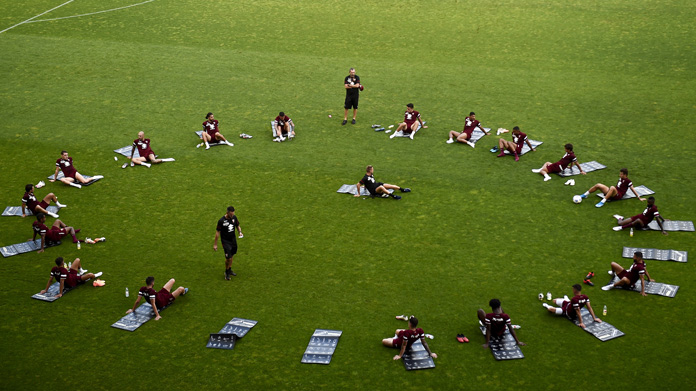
(548, 296)
(78, 245)
(605, 307)
(631, 232)
(604, 312)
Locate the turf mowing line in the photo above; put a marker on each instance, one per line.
(91, 13)
(43, 13)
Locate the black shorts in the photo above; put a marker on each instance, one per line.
(373, 190)
(230, 249)
(351, 101)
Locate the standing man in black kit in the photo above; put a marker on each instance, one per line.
(225, 230)
(353, 88)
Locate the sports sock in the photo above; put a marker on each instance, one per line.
(547, 176)
(169, 159)
(58, 204)
(586, 193)
(76, 185)
(604, 199)
(146, 164)
(546, 305)
(206, 144)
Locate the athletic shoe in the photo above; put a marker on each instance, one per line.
(185, 292)
(227, 275)
(384, 195)
(588, 282)
(379, 130)
(583, 196)
(460, 338)
(395, 134)
(545, 305)
(146, 164)
(617, 228)
(55, 216)
(82, 271)
(589, 275)
(353, 121)
(207, 147)
(599, 204)
(516, 327)
(502, 154)
(233, 273)
(618, 217)
(536, 170)
(406, 190)
(97, 274)
(376, 126)
(411, 135)
(397, 197)
(277, 139)
(517, 157)
(547, 179)
(79, 186)
(401, 317)
(291, 136)
(229, 143)
(124, 165)
(450, 141)
(608, 287)
(429, 336)
(40, 184)
(345, 121)
(199, 145)
(472, 145)
(94, 178)
(610, 272)
(565, 298)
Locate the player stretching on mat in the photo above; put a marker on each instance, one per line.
(515, 146)
(225, 231)
(76, 275)
(470, 124)
(146, 154)
(571, 307)
(158, 300)
(614, 192)
(642, 220)
(55, 233)
(495, 323)
(70, 174)
(403, 339)
(211, 132)
(567, 160)
(378, 189)
(409, 125)
(629, 277)
(29, 201)
(283, 125)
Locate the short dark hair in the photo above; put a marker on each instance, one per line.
(568, 146)
(624, 170)
(28, 187)
(230, 208)
(494, 303)
(638, 254)
(413, 321)
(208, 115)
(59, 261)
(516, 128)
(410, 105)
(63, 151)
(577, 287)
(651, 198)
(40, 216)
(368, 168)
(472, 113)
(149, 280)
(281, 114)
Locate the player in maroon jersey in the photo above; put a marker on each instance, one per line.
(496, 322)
(70, 278)
(567, 160)
(57, 231)
(410, 125)
(29, 201)
(614, 192)
(642, 220)
(470, 124)
(212, 132)
(142, 144)
(515, 146)
(403, 339)
(629, 277)
(571, 307)
(70, 174)
(158, 300)
(283, 125)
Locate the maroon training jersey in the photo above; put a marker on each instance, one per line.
(143, 147)
(211, 127)
(147, 293)
(497, 323)
(568, 158)
(59, 273)
(281, 121)
(634, 272)
(39, 228)
(623, 185)
(519, 140)
(411, 336)
(649, 214)
(576, 303)
(67, 167)
(470, 124)
(411, 117)
(30, 199)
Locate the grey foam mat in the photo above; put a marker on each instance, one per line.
(60, 176)
(417, 357)
(212, 144)
(641, 190)
(228, 335)
(587, 167)
(126, 151)
(273, 124)
(17, 210)
(525, 147)
(50, 294)
(478, 134)
(655, 254)
(25, 247)
(352, 189)
(409, 134)
(602, 331)
(503, 347)
(651, 288)
(137, 318)
(321, 346)
(672, 225)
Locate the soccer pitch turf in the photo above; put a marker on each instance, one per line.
(614, 78)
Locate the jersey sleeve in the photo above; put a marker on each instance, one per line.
(219, 226)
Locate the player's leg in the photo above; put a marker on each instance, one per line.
(627, 221)
(463, 137)
(228, 265)
(59, 224)
(401, 127)
(179, 291)
(355, 112)
(80, 178)
(481, 315)
(616, 268)
(140, 160)
(50, 197)
(414, 126)
(388, 342)
(219, 136)
(152, 158)
(345, 115)
(76, 265)
(67, 180)
(169, 285)
(205, 137)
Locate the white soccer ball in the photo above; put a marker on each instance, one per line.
(541, 296)
(577, 199)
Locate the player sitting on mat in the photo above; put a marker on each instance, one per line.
(470, 124)
(29, 201)
(614, 192)
(283, 125)
(403, 339)
(158, 300)
(70, 278)
(412, 119)
(567, 160)
(146, 154)
(70, 174)
(515, 146)
(378, 189)
(642, 220)
(211, 132)
(496, 322)
(571, 307)
(57, 231)
(629, 277)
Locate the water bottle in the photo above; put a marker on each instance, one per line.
(78, 245)
(631, 232)
(604, 312)
(548, 296)
(605, 307)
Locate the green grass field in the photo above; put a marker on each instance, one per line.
(615, 78)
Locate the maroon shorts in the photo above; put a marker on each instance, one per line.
(42, 204)
(409, 127)
(468, 134)
(554, 167)
(163, 298)
(70, 175)
(628, 275)
(396, 342)
(146, 154)
(518, 149)
(619, 195)
(55, 233)
(641, 218)
(73, 279)
(212, 135)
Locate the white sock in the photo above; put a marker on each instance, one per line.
(547, 176)
(55, 216)
(604, 199)
(207, 145)
(76, 185)
(169, 159)
(97, 177)
(546, 305)
(229, 143)
(586, 193)
(146, 164)
(58, 204)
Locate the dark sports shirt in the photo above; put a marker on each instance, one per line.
(650, 213)
(211, 127)
(226, 228)
(410, 336)
(30, 200)
(635, 271)
(470, 124)
(369, 182)
(281, 121)
(576, 303)
(568, 158)
(411, 117)
(352, 80)
(59, 273)
(143, 146)
(66, 166)
(39, 228)
(623, 185)
(147, 293)
(497, 323)
(519, 139)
